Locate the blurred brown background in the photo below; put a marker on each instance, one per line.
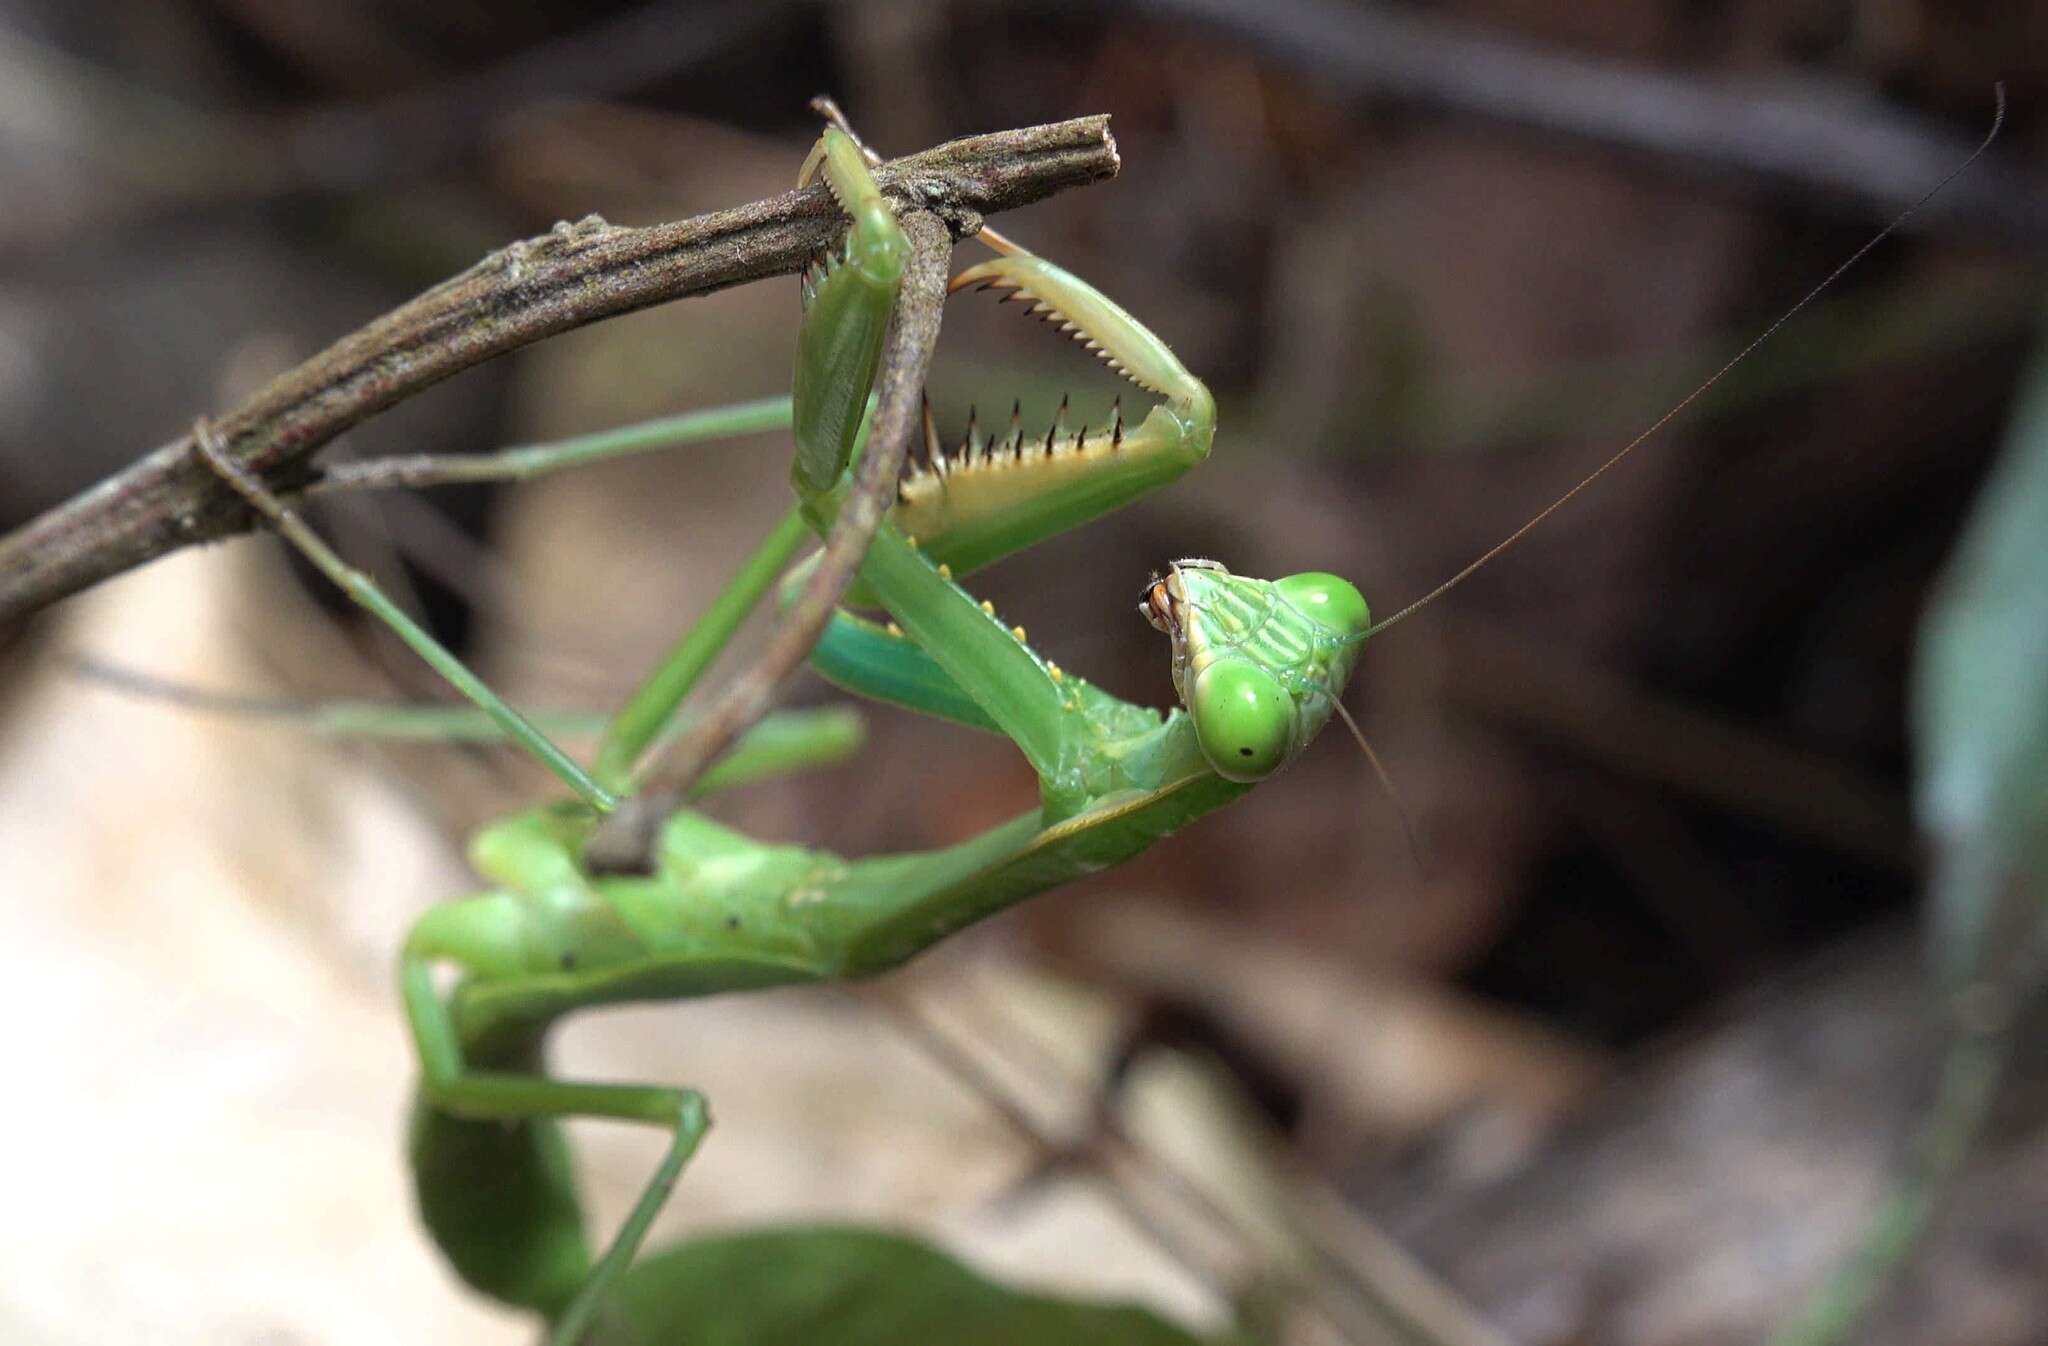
(1623, 1064)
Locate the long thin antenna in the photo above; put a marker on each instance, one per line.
(1997, 122)
(1415, 849)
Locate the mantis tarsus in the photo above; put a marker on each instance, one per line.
(1259, 667)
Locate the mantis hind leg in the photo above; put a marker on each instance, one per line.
(523, 1241)
(652, 709)
(365, 592)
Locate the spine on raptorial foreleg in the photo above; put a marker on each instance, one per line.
(1000, 493)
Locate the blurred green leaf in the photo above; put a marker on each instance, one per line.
(1981, 704)
(1980, 726)
(855, 1287)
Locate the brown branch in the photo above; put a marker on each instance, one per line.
(1822, 140)
(145, 152)
(576, 275)
(626, 840)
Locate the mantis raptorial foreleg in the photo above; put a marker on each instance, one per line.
(847, 300)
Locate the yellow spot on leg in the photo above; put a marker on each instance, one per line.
(1018, 632)
(988, 607)
(895, 630)
(945, 571)
(1053, 669)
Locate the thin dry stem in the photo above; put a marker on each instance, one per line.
(627, 839)
(575, 275)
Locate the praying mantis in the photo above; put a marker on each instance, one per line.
(1258, 666)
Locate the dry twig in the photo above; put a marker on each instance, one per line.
(1819, 138)
(576, 275)
(627, 839)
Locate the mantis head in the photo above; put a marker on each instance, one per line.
(1259, 664)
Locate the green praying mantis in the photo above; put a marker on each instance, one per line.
(1258, 666)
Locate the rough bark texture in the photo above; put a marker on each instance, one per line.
(628, 838)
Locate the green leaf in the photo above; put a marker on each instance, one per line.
(1980, 720)
(829, 1286)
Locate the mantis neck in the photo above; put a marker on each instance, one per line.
(891, 908)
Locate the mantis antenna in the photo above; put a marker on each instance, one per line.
(1416, 852)
(1997, 122)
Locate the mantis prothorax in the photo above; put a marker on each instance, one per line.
(1258, 666)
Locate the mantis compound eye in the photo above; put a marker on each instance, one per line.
(1244, 719)
(1328, 600)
